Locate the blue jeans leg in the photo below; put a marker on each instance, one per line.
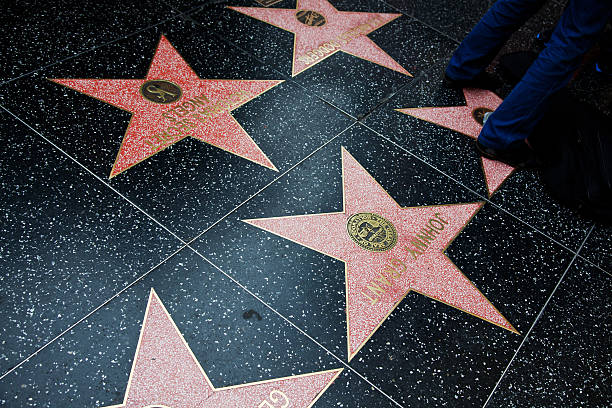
(576, 32)
(488, 36)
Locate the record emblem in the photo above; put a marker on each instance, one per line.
(310, 18)
(160, 91)
(372, 232)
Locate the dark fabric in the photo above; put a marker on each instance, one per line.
(578, 29)
(575, 143)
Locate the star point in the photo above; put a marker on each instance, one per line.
(463, 119)
(320, 31)
(388, 251)
(166, 373)
(172, 103)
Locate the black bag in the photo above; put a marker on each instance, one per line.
(575, 143)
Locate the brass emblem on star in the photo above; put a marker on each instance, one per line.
(372, 232)
(310, 18)
(478, 114)
(160, 91)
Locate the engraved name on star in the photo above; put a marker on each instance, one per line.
(388, 251)
(468, 120)
(165, 373)
(320, 30)
(173, 103)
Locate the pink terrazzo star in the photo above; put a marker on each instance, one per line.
(165, 373)
(172, 103)
(321, 31)
(377, 280)
(461, 119)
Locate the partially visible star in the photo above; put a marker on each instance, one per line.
(462, 119)
(173, 103)
(165, 373)
(321, 30)
(388, 252)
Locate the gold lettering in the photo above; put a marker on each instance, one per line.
(200, 100)
(373, 301)
(277, 393)
(383, 280)
(152, 144)
(426, 236)
(393, 272)
(418, 244)
(182, 111)
(328, 47)
(431, 224)
(364, 28)
(168, 116)
(376, 289)
(306, 60)
(430, 230)
(199, 117)
(190, 106)
(413, 252)
(396, 268)
(276, 396)
(440, 218)
(174, 111)
(206, 111)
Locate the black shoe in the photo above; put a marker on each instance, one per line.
(483, 80)
(518, 155)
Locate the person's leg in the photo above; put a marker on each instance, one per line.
(578, 29)
(488, 36)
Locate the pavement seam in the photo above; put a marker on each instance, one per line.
(287, 78)
(418, 20)
(595, 265)
(480, 196)
(185, 245)
(329, 352)
(198, 236)
(95, 47)
(90, 313)
(537, 318)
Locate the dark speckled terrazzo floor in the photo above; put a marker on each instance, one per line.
(80, 252)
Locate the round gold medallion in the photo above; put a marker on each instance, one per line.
(160, 91)
(478, 114)
(372, 232)
(310, 18)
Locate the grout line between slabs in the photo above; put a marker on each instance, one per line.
(537, 318)
(292, 79)
(609, 273)
(332, 354)
(185, 245)
(93, 174)
(91, 312)
(437, 30)
(268, 185)
(287, 78)
(95, 47)
(483, 198)
(423, 74)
